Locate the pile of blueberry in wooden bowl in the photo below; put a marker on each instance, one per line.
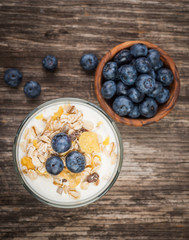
(137, 83)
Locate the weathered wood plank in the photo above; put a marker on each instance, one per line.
(150, 200)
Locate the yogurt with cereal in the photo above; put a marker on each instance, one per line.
(90, 133)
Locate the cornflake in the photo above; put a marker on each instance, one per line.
(106, 141)
(88, 142)
(39, 117)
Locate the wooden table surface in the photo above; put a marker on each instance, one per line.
(150, 199)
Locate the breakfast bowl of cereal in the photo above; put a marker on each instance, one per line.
(68, 152)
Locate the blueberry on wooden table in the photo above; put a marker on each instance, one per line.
(13, 77)
(32, 89)
(89, 62)
(50, 63)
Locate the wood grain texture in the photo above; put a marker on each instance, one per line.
(163, 110)
(150, 199)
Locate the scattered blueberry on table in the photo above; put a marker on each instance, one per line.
(13, 77)
(50, 63)
(54, 165)
(32, 89)
(89, 62)
(75, 162)
(136, 82)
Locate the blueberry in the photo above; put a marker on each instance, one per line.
(143, 65)
(158, 65)
(165, 76)
(134, 112)
(61, 143)
(157, 89)
(163, 96)
(154, 57)
(89, 62)
(135, 95)
(54, 165)
(139, 50)
(108, 89)
(122, 105)
(12, 77)
(152, 74)
(145, 83)
(132, 63)
(32, 89)
(50, 63)
(110, 71)
(128, 74)
(123, 57)
(75, 162)
(122, 89)
(148, 108)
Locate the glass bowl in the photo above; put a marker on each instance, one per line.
(79, 202)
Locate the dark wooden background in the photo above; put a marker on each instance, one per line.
(150, 200)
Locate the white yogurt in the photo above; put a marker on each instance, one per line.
(44, 187)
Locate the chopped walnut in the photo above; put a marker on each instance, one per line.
(76, 134)
(59, 190)
(93, 177)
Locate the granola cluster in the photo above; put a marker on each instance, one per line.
(37, 148)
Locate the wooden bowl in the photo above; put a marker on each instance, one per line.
(163, 110)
